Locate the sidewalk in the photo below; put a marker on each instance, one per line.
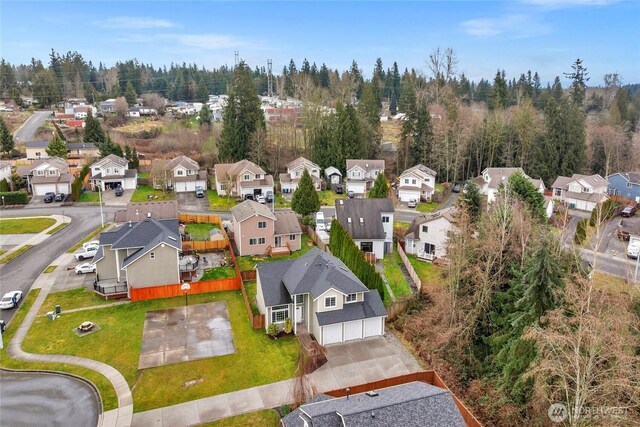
(40, 237)
(120, 417)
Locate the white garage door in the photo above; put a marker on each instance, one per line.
(332, 334)
(357, 188)
(42, 189)
(180, 187)
(353, 330)
(62, 188)
(372, 327)
(404, 195)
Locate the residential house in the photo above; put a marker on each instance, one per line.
(137, 211)
(181, 174)
(362, 173)
(36, 150)
(333, 175)
(139, 255)
(417, 183)
(111, 172)
(242, 178)
(82, 149)
(624, 184)
(582, 192)
(108, 106)
(133, 112)
(289, 181)
(322, 296)
(412, 404)
(50, 176)
(369, 222)
(257, 230)
(491, 178)
(5, 171)
(427, 235)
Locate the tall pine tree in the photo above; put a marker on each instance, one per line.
(305, 200)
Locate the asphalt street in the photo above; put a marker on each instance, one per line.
(44, 399)
(21, 272)
(29, 128)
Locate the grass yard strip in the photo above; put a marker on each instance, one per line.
(429, 274)
(328, 197)
(251, 288)
(25, 225)
(200, 231)
(15, 254)
(614, 285)
(225, 272)
(249, 262)
(75, 298)
(220, 203)
(427, 207)
(404, 226)
(90, 197)
(2, 252)
(264, 418)
(395, 276)
(281, 202)
(50, 269)
(58, 228)
(440, 188)
(143, 192)
(91, 236)
(107, 392)
(119, 341)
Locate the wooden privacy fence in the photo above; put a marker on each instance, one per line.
(429, 377)
(256, 320)
(200, 219)
(409, 267)
(312, 233)
(167, 291)
(204, 245)
(248, 275)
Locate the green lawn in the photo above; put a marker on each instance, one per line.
(225, 272)
(91, 236)
(249, 262)
(143, 192)
(427, 207)
(281, 202)
(404, 226)
(75, 298)
(258, 359)
(50, 269)
(428, 273)
(25, 225)
(58, 228)
(200, 231)
(264, 418)
(328, 197)
(395, 276)
(440, 188)
(220, 203)
(15, 254)
(107, 393)
(144, 175)
(251, 288)
(90, 197)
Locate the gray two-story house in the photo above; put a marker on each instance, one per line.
(322, 296)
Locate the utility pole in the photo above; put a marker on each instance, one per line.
(269, 78)
(237, 57)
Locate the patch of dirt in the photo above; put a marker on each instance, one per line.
(15, 120)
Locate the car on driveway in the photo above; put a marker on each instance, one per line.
(49, 197)
(633, 250)
(85, 268)
(269, 196)
(10, 299)
(248, 196)
(338, 188)
(119, 191)
(60, 197)
(199, 191)
(629, 211)
(351, 194)
(456, 187)
(86, 252)
(260, 199)
(91, 243)
(412, 203)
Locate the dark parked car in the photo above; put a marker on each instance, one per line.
(60, 197)
(49, 197)
(339, 189)
(456, 187)
(248, 197)
(351, 194)
(119, 191)
(269, 197)
(199, 192)
(629, 211)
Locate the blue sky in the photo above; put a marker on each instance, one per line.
(541, 35)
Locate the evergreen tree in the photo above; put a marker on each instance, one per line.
(205, 116)
(130, 95)
(522, 188)
(93, 132)
(109, 147)
(202, 92)
(6, 138)
(348, 140)
(4, 186)
(380, 188)
(368, 110)
(305, 200)
(242, 116)
(131, 155)
(499, 92)
(422, 141)
(556, 89)
(579, 82)
(471, 201)
(57, 147)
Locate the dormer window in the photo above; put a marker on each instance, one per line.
(414, 182)
(257, 176)
(116, 170)
(52, 172)
(406, 180)
(329, 302)
(352, 297)
(297, 173)
(108, 171)
(179, 172)
(247, 177)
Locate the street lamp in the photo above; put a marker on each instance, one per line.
(3, 201)
(100, 199)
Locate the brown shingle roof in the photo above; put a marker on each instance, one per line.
(183, 161)
(366, 164)
(286, 223)
(139, 211)
(249, 208)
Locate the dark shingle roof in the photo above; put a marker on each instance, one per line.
(369, 210)
(413, 404)
(371, 307)
(273, 291)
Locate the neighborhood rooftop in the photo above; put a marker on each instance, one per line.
(361, 217)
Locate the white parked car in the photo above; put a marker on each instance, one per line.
(85, 268)
(91, 243)
(320, 225)
(412, 203)
(10, 299)
(86, 252)
(633, 250)
(260, 199)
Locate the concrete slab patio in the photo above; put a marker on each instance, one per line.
(181, 334)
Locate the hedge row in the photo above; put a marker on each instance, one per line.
(14, 198)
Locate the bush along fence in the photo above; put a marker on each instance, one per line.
(343, 247)
(14, 198)
(407, 264)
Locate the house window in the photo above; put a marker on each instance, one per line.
(38, 153)
(253, 242)
(558, 192)
(262, 224)
(629, 184)
(257, 176)
(179, 172)
(108, 171)
(292, 237)
(222, 187)
(247, 177)
(152, 255)
(385, 219)
(279, 313)
(351, 297)
(262, 240)
(375, 173)
(329, 302)
(297, 173)
(116, 170)
(413, 181)
(299, 299)
(356, 174)
(425, 228)
(52, 172)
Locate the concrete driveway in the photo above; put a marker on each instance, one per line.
(189, 202)
(363, 361)
(109, 198)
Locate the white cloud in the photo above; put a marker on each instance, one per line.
(514, 26)
(135, 23)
